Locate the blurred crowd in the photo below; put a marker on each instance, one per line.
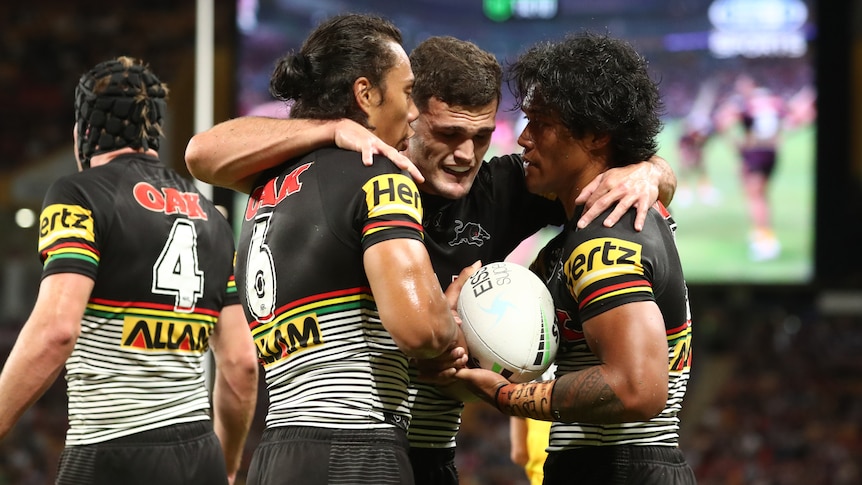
(790, 410)
(45, 50)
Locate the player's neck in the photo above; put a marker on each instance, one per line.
(581, 180)
(103, 158)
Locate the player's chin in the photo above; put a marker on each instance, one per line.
(403, 144)
(534, 185)
(454, 191)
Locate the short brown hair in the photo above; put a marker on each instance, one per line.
(455, 71)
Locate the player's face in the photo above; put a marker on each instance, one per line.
(392, 115)
(450, 144)
(554, 160)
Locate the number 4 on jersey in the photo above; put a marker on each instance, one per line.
(176, 272)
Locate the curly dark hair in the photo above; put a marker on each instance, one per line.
(456, 72)
(595, 84)
(319, 78)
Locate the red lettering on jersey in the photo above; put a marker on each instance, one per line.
(174, 202)
(193, 205)
(565, 323)
(269, 195)
(169, 200)
(148, 196)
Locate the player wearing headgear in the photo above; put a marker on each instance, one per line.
(137, 284)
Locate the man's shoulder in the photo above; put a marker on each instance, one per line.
(624, 229)
(509, 162)
(348, 163)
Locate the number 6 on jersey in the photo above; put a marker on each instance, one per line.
(260, 274)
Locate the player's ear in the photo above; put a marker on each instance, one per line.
(597, 142)
(367, 96)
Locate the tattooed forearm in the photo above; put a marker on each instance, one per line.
(584, 396)
(531, 400)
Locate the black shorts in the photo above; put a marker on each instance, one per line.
(434, 466)
(319, 456)
(618, 465)
(182, 454)
(759, 160)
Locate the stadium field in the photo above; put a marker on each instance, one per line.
(713, 239)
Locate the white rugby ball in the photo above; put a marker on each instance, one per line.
(509, 322)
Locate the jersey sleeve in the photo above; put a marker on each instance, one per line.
(231, 295)
(609, 267)
(390, 207)
(67, 230)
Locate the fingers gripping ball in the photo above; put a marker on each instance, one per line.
(508, 320)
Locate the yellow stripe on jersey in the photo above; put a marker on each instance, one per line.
(310, 308)
(151, 313)
(74, 250)
(635, 289)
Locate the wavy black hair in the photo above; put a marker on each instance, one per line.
(595, 84)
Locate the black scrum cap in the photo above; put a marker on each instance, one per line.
(119, 103)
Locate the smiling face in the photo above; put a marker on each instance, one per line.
(449, 146)
(390, 106)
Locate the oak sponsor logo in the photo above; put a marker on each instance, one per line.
(61, 221)
(288, 337)
(275, 191)
(393, 194)
(169, 200)
(156, 334)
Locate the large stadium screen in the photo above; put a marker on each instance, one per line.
(738, 82)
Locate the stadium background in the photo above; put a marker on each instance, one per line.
(775, 394)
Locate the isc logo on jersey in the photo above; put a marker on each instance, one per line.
(154, 334)
(61, 221)
(393, 194)
(602, 258)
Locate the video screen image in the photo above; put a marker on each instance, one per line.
(737, 80)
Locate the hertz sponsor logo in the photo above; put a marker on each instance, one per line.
(602, 254)
(153, 334)
(602, 258)
(61, 221)
(288, 337)
(393, 194)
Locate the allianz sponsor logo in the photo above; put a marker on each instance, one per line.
(758, 28)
